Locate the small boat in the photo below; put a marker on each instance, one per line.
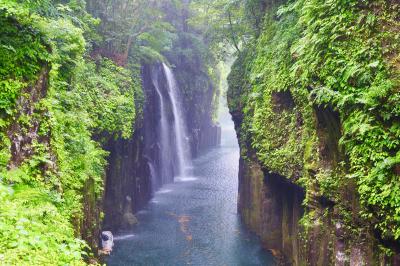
(107, 243)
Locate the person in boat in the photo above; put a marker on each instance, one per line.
(107, 242)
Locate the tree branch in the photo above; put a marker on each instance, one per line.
(235, 44)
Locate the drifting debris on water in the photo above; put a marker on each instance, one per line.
(183, 220)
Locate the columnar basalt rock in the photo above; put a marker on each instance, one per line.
(132, 162)
(273, 207)
(128, 175)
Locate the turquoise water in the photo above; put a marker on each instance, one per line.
(194, 221)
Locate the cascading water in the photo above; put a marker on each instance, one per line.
(173, 146)
(193, 221)
(152, 175)
(181, 140)
(164, 138)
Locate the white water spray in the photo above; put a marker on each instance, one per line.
(174, 151)
(164, 133)
(152, 175)
(182, 145)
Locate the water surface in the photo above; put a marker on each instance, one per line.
(194, 221)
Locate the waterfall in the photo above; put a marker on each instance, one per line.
(163, 137)
(172, 141)
(181, 139)
(153, 176)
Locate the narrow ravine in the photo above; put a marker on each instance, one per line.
(194, 221)
(112, 152)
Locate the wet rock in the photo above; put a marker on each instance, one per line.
(128, 219)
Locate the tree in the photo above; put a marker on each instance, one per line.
(131, 23)
(222, 22)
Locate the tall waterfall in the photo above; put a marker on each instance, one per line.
(174, 152)
(164, 134)
(181, 139)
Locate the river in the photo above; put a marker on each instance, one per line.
(194, 221)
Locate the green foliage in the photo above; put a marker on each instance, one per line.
(352, 64)
(21, 53)
(107, 92)
(34, 230)
(80, 100)
(136, 29)
(239, 81)
(223, 23)
(327, 55)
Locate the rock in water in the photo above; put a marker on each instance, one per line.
(129, 220)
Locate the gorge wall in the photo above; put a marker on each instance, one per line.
(58, 107)
(79, 116)
(311, 183)
(132, 162)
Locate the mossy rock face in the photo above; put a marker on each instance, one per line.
(315, 100)
(57, 108)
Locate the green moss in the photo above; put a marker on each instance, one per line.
(62, 105)
(326, 56)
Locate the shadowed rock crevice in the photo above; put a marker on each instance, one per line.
(282, 101)
(329, 133)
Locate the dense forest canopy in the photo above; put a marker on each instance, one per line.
(70, 81)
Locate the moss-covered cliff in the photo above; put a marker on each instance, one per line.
(57, 108)
(73, 130)
(315, 101)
